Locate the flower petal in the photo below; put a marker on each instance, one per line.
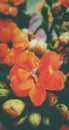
(27, 60)
(3, 49)
(21, 89)
(50, 58)
(20, 39)
(37, 95)
(55, 82)
(65, 3)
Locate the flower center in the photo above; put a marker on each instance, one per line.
(35, 73)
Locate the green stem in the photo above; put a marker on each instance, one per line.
(50, 31)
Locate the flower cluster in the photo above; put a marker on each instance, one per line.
(33, 73)
(30, 75)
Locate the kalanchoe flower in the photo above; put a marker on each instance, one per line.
(65, 3)
(10, 32)
(14, 41)
(8, 7)
(32, 76)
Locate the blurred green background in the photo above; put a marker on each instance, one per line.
(32, 5)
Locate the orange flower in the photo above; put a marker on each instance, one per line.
(64, 2)
(9, 32)
(7, 9)
(31, 76)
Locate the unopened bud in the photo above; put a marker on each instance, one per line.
(65, 115)
(46, 121)
(62, 107)
(13, 107)
(56, 8)
(35, 119)
(4, 92)
(52, 99)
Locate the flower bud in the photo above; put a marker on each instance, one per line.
(38, 46)
(56, 8)
(35, 119)
(20, 120)
(62, 107)
(4, 92)
(13, 107)
(64, 38)
(65, 115)
(52, 99)
(46, 121)
(2, 85)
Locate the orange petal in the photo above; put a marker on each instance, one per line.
(22, 89)
(27, 60)
(21, 74)
(20, 39)
(50, 58)
(6, 28)
(37, 95)
(13, 71)
(9, 59)
(45, 75)
(13, 11)
(17, 2)
(55, 82)
(3, 49)
(65, 3)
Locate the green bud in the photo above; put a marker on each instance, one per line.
(35, 119)
(65, 115)
(21, 120)
(61, 107)
(46, 121)
(2, 85)
(4, 92)
(13, 107)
